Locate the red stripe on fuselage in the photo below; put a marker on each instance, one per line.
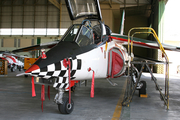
(13, 59)
(134, 42)
(3, 58)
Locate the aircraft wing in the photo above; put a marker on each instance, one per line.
(142, 42)
(15, 55)
(8, 53)
(37, 47)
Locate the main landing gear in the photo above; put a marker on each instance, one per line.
(13, 67)
(141, 85)
(64, 106)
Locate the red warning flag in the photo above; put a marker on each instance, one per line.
(33, 87)
(42, 96)
(92, 86)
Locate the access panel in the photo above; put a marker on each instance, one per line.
(116, 64)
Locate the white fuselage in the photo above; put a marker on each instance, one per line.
(97, 60)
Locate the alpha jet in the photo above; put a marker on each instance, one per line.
(86, 51)
(13, 62)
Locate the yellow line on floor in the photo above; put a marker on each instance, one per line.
(117, 112)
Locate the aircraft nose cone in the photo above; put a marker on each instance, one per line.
(32, 68)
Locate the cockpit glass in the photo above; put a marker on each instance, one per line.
(82, 37)
(70, 36)
(85, 36)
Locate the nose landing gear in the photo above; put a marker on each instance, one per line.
(66, 107)
(63, 102)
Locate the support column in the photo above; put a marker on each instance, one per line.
(60, 12)
(23, 18)
(38, 42)
(1, 42)
(59, 6)
(11, 17)
(34, 25)
(161, 20)
(160, 68)
(0, 16)
(121, 30)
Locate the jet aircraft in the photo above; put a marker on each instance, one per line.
(86, 51)
(13, 62)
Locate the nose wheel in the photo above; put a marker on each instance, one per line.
(66, 107)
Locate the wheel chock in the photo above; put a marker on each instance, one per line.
(144, 95)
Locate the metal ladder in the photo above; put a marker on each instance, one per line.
(130, 89)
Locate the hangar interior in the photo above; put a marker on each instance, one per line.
(29, 22)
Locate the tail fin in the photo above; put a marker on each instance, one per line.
(122, 23)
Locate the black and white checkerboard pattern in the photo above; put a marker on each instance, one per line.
(61, 82)
(57, 70)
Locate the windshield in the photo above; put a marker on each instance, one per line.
(83, 33)
(71, 33)
(85, 36)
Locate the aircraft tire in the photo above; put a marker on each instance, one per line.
(26, 76)
(143, 89)
(66, 108)
(12, 69)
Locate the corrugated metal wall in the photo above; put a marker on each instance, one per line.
(40, 14)
(27, 17)
(29, 14)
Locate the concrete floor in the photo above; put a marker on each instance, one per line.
(16, 102)
(152, 107)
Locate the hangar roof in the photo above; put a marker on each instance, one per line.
(133, 7)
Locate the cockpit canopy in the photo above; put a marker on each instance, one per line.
(86, 34)
(84, 8)
(91, 30)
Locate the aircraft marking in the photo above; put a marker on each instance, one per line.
(53, 70)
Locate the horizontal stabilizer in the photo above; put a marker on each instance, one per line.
(122, 39)
(140, 58)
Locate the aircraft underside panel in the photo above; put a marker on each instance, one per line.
(116, 64)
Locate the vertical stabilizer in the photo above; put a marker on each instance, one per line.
(122, 23)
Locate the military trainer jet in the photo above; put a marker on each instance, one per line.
(13, 62)
(86, 51)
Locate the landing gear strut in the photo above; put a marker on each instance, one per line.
(65, 105)
(13, 67)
